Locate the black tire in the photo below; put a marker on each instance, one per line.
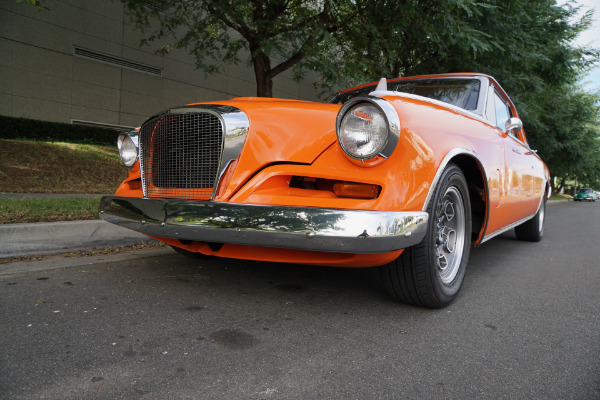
(192, 254)
(431, 273)
(533, 229)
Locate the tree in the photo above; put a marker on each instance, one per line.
(573, 148)
(391, 38)
(216, 31)
(537, 63)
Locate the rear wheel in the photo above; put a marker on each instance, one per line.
(533, 230)
(431, 273)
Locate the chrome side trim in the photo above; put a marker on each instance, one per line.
(305, 228)
(506, 228)
(449, 156)
(515, 224)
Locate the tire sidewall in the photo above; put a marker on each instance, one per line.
(538, 232)
(452, 176)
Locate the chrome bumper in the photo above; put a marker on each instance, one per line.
(305, 228)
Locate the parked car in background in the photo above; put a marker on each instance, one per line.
(404, 175)
(585, 194)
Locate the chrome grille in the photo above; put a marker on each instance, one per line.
(180, 155)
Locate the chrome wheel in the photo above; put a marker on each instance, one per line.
(541, 215)
(450, 234)
(431, 273)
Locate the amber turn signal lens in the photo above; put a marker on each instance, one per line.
(135, 185)
(356, 190)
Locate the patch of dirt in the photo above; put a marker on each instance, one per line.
(47, 167)
(85, 253)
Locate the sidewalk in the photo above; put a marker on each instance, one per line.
(57, 237)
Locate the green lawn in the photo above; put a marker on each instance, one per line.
(14, 211)
(560, 197)
(56, 167)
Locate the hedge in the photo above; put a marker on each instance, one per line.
(23, 128)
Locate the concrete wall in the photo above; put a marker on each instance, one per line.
(41, 78)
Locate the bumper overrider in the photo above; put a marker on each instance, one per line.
(305, 228)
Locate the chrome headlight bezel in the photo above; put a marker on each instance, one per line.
(127, 143)
(392, 125)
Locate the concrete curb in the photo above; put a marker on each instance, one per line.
(56, 237)
(19, 267)
(558, 201)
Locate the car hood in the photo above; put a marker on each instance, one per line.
(286, 130)
(289, 131)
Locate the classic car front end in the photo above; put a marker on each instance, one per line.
(585, 194)
(407, 178)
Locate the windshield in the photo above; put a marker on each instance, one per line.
(585, 190)
(461, 93)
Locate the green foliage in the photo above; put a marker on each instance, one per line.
(571, 146)
(392, 38)
(218, 32)
(23, 128)
(38, 4)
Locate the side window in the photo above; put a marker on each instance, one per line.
(502, 112)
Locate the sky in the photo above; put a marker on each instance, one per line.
(591, 37)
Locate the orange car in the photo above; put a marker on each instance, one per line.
(405, 175)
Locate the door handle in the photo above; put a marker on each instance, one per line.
(515, 150)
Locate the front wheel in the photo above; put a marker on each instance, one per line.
(192, 254)
(431, 273)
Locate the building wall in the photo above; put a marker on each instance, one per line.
(42, 78)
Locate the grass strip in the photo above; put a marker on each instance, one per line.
(13, 211)
(55, 167)
(560, 197)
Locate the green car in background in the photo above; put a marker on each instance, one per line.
(584, 194)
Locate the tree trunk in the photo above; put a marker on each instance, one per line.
(262, 67)
(561, 185)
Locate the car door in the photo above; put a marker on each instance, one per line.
(519, 176)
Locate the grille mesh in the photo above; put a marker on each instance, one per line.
(180, 156)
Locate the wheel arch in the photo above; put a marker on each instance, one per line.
(474, 173)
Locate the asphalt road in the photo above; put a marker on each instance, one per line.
(526, 326)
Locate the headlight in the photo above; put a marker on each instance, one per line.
(127, 149)
(367, 127)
